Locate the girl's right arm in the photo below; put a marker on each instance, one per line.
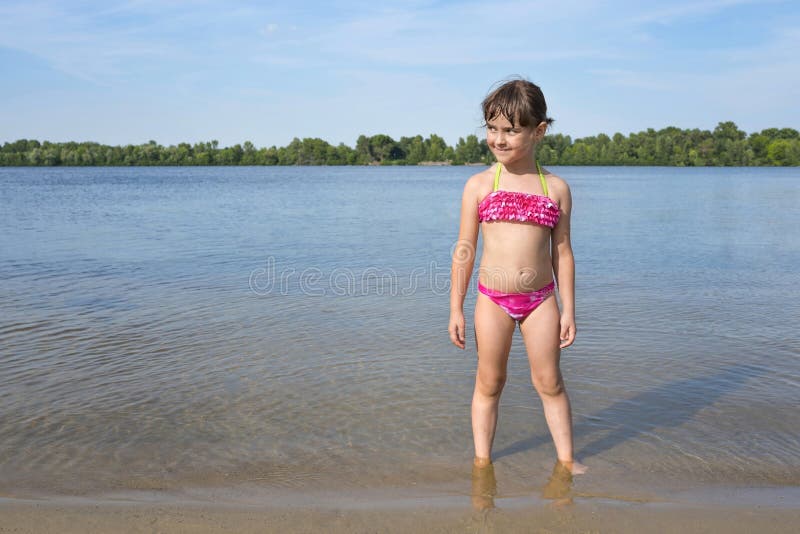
(463, 261)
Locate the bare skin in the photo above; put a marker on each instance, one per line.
(516, 258)
(559, 485)
(484, 487)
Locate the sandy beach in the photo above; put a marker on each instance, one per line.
(169, 514)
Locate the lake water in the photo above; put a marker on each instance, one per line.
(284, 330)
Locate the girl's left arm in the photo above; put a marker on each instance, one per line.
(564, 265)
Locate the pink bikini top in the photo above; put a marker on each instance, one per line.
(502, 205)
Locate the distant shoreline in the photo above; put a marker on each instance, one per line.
(725, 146)
(435, 164)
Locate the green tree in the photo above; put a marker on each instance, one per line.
(726, 145)
(435, 148)
(784, 152)
(466, 151)
(414, 148)
(383, 148)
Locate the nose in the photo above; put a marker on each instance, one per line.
(500, 138)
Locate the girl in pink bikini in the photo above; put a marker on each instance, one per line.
(524, 214)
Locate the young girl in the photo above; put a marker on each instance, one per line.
(524, 214)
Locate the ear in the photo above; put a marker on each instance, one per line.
(540, 130)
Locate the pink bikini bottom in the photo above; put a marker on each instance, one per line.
(518, 305)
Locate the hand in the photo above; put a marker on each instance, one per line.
(456, 329)
(567, 330)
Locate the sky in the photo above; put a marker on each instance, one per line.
(186, 71)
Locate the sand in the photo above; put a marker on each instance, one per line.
(169, 514)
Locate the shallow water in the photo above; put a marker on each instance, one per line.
(166, 328)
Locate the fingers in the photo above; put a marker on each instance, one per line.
(460, 336)
(457, 335)
(456, 340)
(567, 335)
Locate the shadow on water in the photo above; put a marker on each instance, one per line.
(666, 406)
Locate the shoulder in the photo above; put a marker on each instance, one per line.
(481, 184)
(559, 188)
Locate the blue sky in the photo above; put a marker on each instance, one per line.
(127, 72)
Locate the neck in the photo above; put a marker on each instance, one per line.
(522, 166)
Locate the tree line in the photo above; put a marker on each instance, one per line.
(726, 145)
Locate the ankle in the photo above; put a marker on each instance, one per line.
(481, 462)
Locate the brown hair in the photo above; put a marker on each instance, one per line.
(517, 100)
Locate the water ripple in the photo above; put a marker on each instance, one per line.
(134, 354)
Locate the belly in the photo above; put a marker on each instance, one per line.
(516, 257)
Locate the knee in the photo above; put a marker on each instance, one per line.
(490, 384)
(551, 385)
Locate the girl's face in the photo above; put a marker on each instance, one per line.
(511, 143)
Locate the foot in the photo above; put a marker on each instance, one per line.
(573, 467)
(559, 485)
(484, 487)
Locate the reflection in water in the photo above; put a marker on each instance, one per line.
(559, 485)
(484, 487)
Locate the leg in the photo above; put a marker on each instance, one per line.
(493, 332)
(540, 330)
(559, 486)
(484, 487)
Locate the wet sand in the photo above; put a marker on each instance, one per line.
(558, 509)
(22, 516)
